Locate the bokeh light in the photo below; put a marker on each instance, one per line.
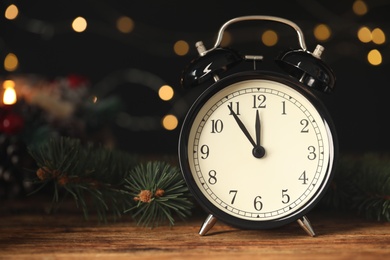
(170, 122)
(378, 36)
(374, 57)
(322, 32)
(269, 38)
(11, 12)
(181, 48)
(125, 24)
(364, 34)
(166, 92)
(9, 96)
(11, 62)
(79, 24)
(359, 7)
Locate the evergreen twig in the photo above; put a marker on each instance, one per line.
(155, 192)
(90, 174)
(109, 181)
(362, 184)
(160, 192)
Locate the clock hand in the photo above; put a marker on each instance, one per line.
(257, 126)
(258, 151)
(242, 127)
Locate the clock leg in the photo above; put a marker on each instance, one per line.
(305, 224)
(207, 224)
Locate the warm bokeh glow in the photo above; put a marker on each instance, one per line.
(8, 84)
(11, 12)
(378, 36)
(166, 92)
(79, 24)
(170, 122)
(181, 48)
(359, 7)
(9, 96)
(322, 32)
(226, 39)
(125, 24)
(364, 34)
(374, 57)
(269, 38)
(11, 62)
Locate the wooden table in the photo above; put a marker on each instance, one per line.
(27, 232)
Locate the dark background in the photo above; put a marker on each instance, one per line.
(359, 105)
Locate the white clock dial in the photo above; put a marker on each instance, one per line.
(296, 140)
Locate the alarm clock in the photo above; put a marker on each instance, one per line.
(258, 148)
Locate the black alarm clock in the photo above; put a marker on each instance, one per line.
(258, 148)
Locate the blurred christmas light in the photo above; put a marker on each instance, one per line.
(374, 57)
(11, 62)
(9, 96)
(378, 36)
(322, 32)
(79, 24)
(8, 84)
(364, 34)
(125, 24)
(166, 92)
(181, 47)
(11, 12)
(359, 7)
(170, 122)
(269, 38)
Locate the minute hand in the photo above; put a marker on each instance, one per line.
(242, 127)
(258, 127)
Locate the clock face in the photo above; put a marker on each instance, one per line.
(257, 151)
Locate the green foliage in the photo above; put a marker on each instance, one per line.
(160, 191)
(362, 184)
(114, 183)
(109, 181)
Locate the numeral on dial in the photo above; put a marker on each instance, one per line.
(312, 153)
(259, 101)
(216, 126)
(305, 124)
(257, 203)
(212, 177)
(235, 108)
(303, 178)
(285, 196)
(205, 151)
(234, 192)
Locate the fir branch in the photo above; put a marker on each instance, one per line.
(90, 173)
(110, 182)
(159, 192)
(362, 184)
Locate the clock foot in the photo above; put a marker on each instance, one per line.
(305, 224)
(207, 224)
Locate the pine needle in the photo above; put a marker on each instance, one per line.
(87, 172)
(362, 184)
(110, 182)
(160, 192)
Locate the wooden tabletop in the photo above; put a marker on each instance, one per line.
(27, 232)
